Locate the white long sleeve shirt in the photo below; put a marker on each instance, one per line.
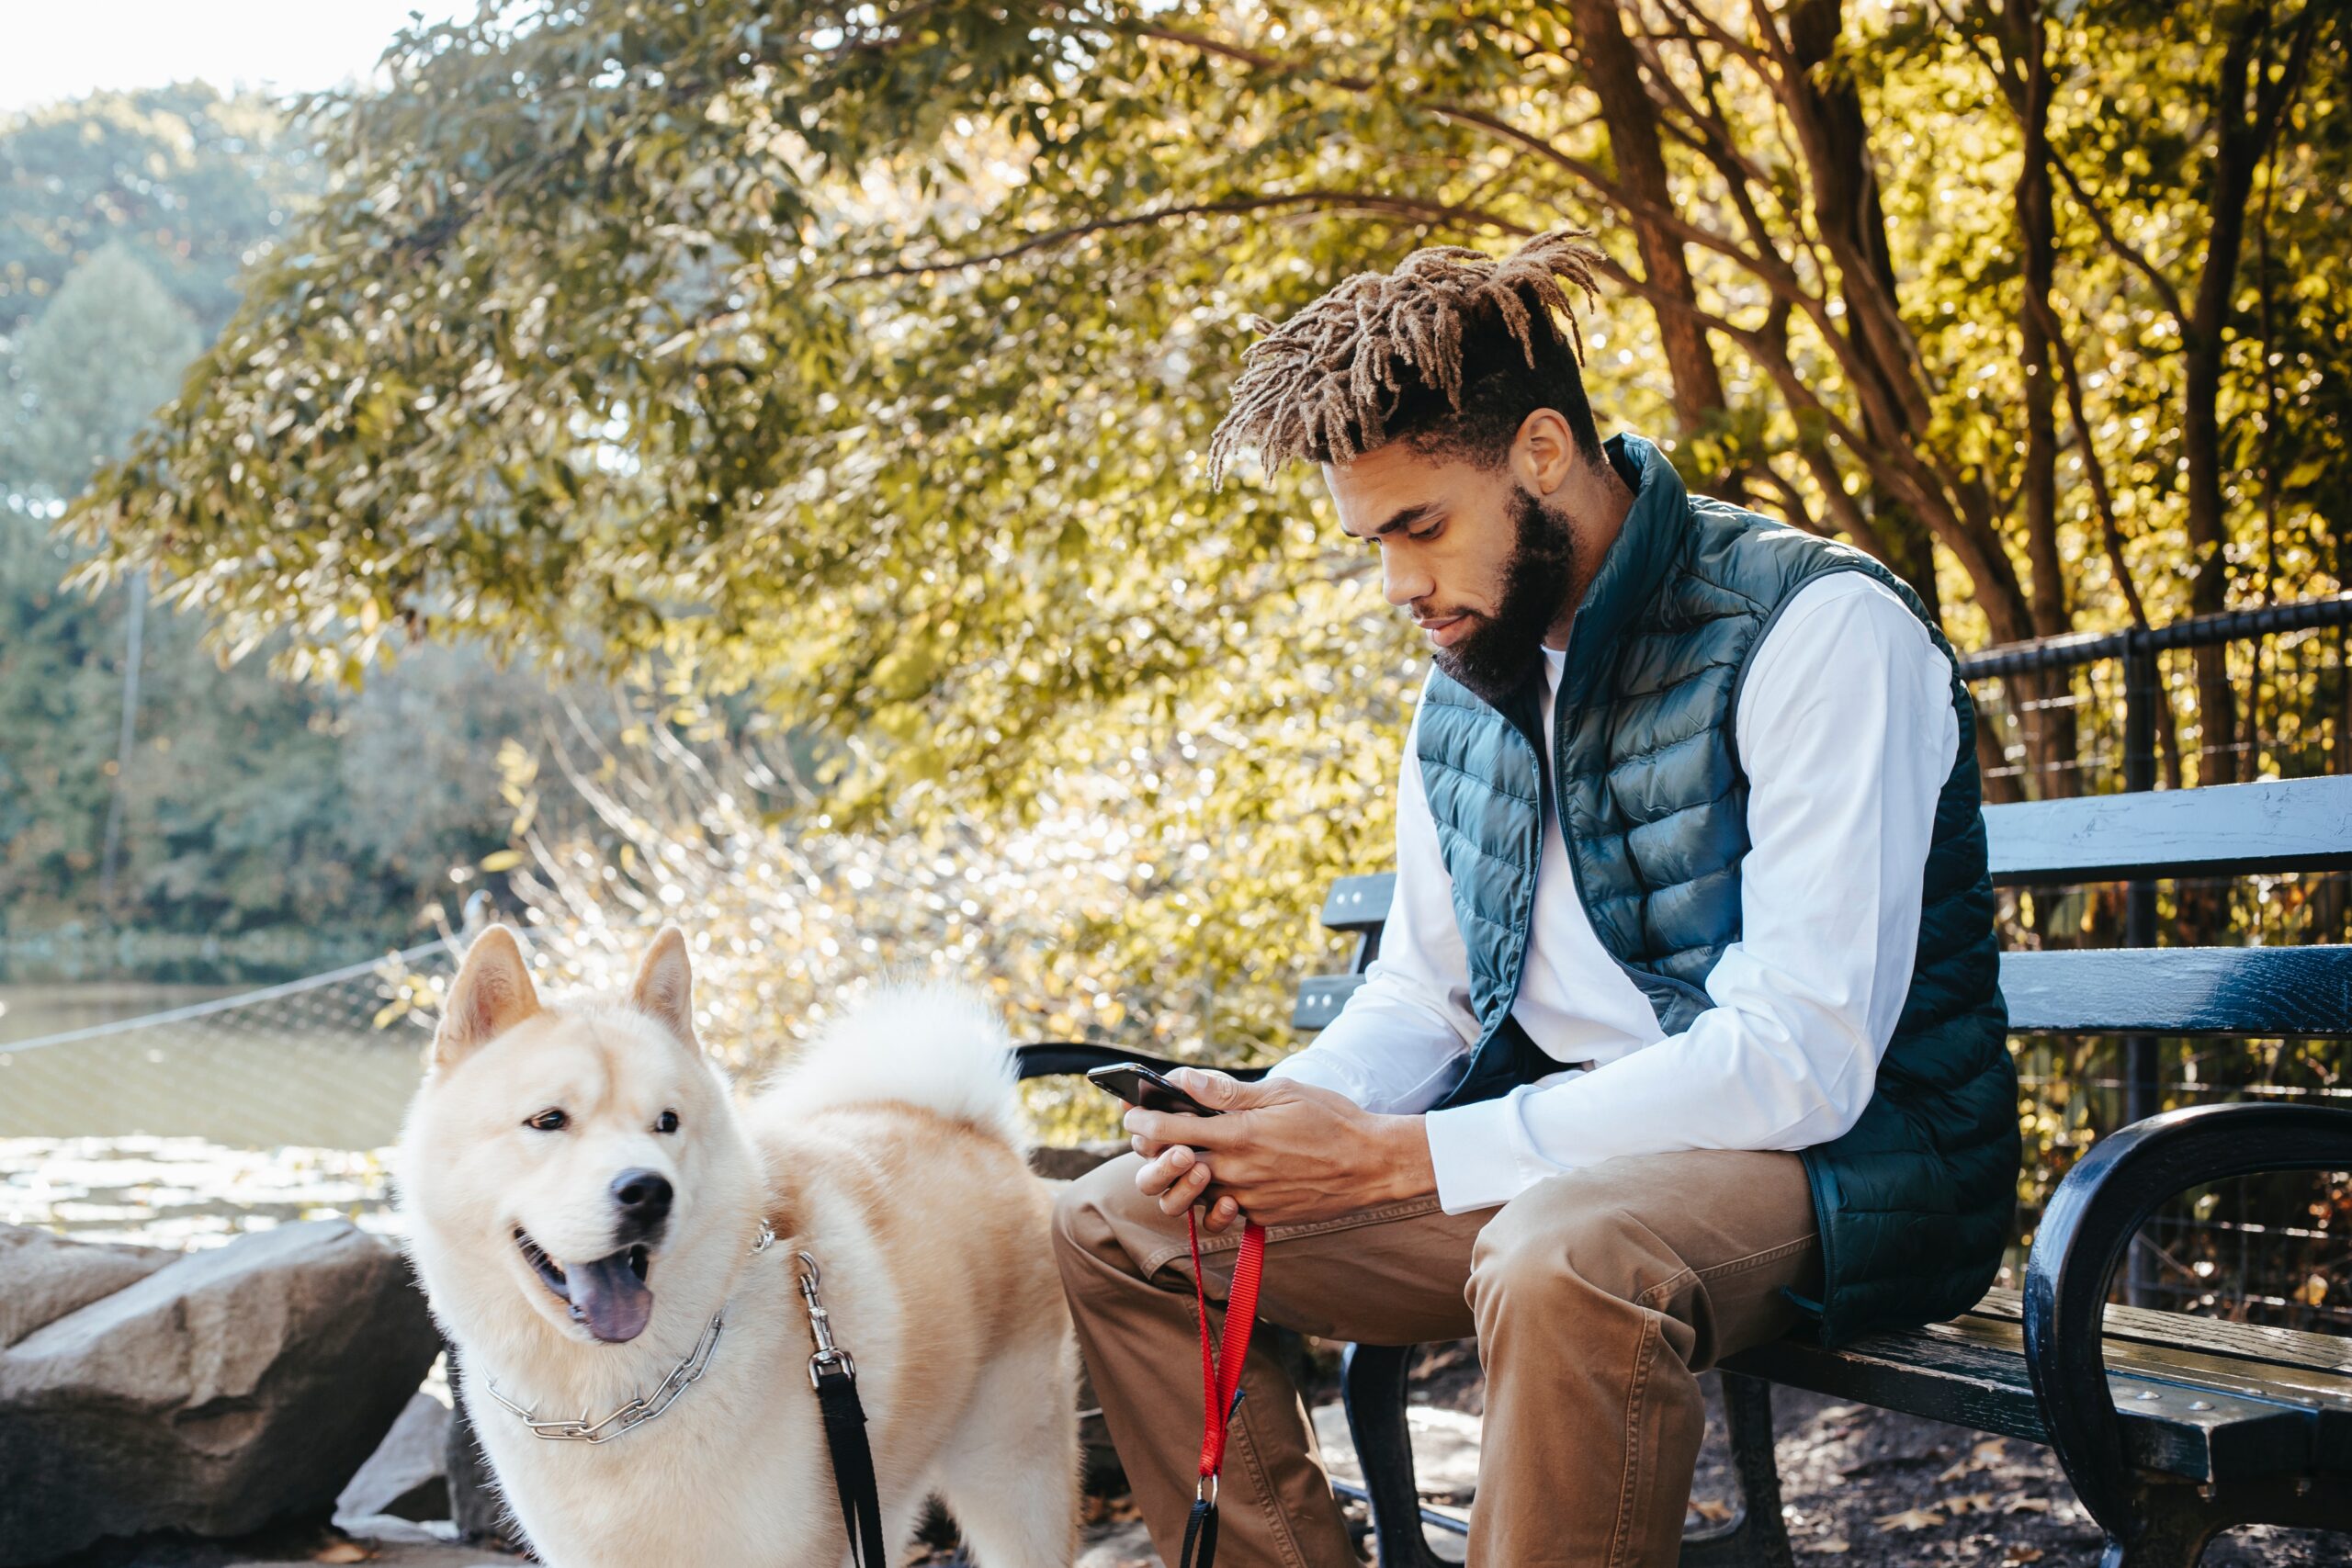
(1847, 732)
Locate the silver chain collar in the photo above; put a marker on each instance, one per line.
(683, 1376)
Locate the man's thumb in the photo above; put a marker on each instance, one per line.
(1214, 1089)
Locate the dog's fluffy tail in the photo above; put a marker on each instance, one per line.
(935, 1045)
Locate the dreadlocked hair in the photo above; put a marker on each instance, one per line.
(1454, 348)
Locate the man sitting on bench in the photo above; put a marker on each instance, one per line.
(1686, 1030)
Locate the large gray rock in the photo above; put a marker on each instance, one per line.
(43, 1276)
(476, 1506)
(1067, 1162)
(222, 1391)
(408, 1476)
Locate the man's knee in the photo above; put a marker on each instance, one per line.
(1565, 1238)
(1087, 1224)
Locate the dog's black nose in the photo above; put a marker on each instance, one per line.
(644, 1199)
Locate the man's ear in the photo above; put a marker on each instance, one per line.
(1544, 453)
(664, 987)
(491, 994)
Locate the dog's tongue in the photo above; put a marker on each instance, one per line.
(609, 1297)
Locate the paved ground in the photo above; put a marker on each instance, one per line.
(1864, 1489)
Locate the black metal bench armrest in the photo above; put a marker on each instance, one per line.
(1053, 1058)
(2084, 1232)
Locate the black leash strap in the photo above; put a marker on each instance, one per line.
(1199, 1550)
(852, 1463)
(833, 1374)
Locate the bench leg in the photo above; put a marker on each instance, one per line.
(1372, 1387)
(2171, 1525)
(2166, 1543)
(1756, 1536)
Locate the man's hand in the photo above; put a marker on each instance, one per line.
(1283, 1153)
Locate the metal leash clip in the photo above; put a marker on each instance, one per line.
(829, 1356)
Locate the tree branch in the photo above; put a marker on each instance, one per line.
(1766, 266)
(2270, 103)
(2123, 249)
(1273, 65)
(1336, 200)
(1792, 507)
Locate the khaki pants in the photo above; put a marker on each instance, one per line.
(1597, 1297)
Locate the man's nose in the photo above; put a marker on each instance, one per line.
(643, 1198)
(1401, 580)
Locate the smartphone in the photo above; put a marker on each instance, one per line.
(1139, 1086)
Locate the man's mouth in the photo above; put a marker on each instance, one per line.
(608, 1296)
(1446, 630)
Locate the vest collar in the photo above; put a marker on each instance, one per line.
(1634, 568)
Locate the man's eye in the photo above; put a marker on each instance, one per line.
(1430, 532)
(666, 1122)
(549, 1121)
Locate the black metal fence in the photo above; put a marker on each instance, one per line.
(2093, 714)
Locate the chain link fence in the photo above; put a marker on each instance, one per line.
(190, 1125)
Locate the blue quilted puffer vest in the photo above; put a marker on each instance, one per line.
(1915, 1200)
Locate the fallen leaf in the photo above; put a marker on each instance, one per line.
(2021, 1503)
(1968, 1503)
(2022, 1554)
(1909, 1519)
(344, 1551)
(1715, 1512)
(1834, 1544)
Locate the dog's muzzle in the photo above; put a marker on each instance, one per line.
(609, 1295)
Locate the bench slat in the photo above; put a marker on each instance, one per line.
(2302, 991)
(1972, 1372)
(2253, 1342)
(1359, 903)
(2182, 990)
(1320, 997)
(2219, 830)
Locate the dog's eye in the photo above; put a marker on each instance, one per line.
(666, 1122)
(549, 1121)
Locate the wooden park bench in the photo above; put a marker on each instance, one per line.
(2171, 1428)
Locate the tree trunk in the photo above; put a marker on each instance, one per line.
(1613, 71)
(1827, 110)
(2051, 737)
(125, 742)
(1846, 202)
(2243, 136)
(2201, 434)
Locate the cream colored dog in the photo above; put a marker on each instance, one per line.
(583, 1201)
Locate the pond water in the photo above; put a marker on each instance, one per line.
(31, 1008)
(188, 1131)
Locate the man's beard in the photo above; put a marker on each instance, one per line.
(1503, 648)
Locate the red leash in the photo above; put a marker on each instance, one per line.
(1220, 1380)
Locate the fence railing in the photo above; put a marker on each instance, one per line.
(2128, 699)
(2285, 667)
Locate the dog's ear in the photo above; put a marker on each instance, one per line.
(664, 987)
(491, 994)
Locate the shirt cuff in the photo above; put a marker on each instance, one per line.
(1471, 1148)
